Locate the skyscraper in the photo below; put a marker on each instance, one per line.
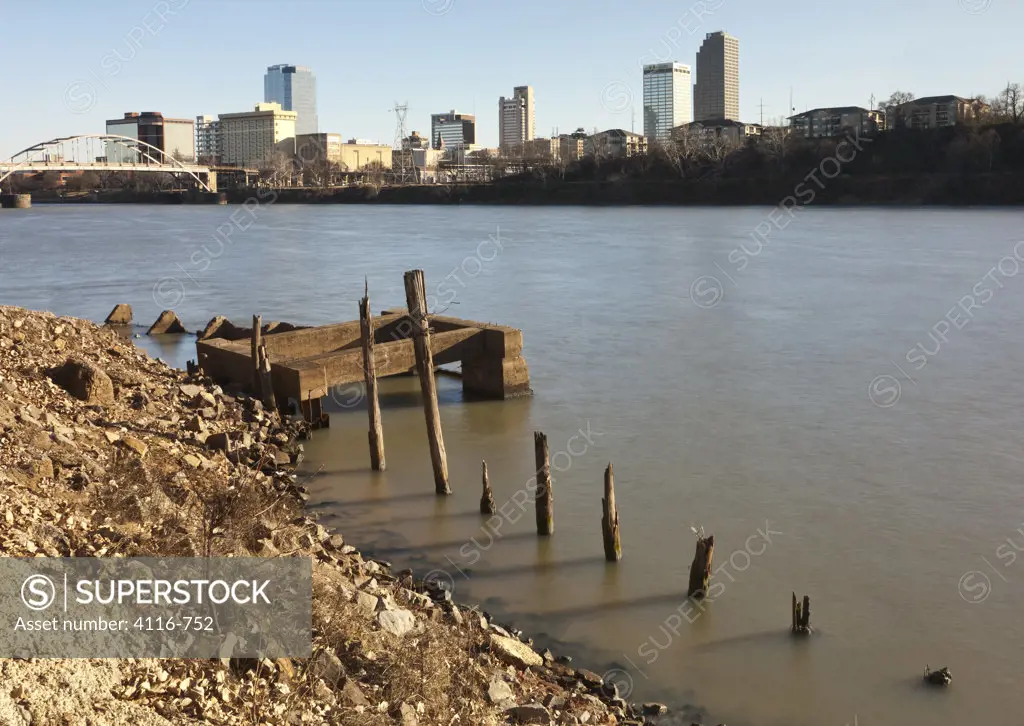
(718, 78)
(454, 129)
(516, 118)
(667, 99)
(294, 87)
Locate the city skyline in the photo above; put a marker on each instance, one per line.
(591, 79)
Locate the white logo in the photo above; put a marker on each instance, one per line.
(38, 592)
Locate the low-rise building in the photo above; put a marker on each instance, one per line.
(735, 133)
(250, 139)
(934, 112)
(615, 143)
(356, 155)
(317, 148)
(827, 122)
(571, 146)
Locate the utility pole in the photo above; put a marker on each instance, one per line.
(401, 111)
(762, 111)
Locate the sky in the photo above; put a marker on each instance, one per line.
(71, 65)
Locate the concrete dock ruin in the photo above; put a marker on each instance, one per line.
(307, 363)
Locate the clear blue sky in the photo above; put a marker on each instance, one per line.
(210, 57)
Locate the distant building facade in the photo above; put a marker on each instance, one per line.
(250, 139)
(294, 87)
(174, 137)
(452, 130)
(209, 141)
(516, 118)
(717, 90)
(317, 148)
(356, 155)
(616, 144)
(934, 112)
(668, 99)
(415, 141)
(826, 122)
(735, 133)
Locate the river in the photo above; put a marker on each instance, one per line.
(837, 402)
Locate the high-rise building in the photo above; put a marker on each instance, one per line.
(668, 99)
(453, 129)
(173, 137)
(516, 118)
(718, 78)
(209, 142)
(294, 87)
(251, 138)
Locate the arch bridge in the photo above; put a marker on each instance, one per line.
(119, 153)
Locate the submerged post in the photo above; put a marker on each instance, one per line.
(376, 434)
(266, 383)
(487, 498)
(545, 498)
(610, 519)
(416, 300)
(257, 340)
(700, 570)
(801, 616)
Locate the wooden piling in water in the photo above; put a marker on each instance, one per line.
(801, 616)
(610, 519)
(700, 569)
(376, 433)
(257, 341)
(544, 496)
(416, 300)
(487, 498)
(266, 383)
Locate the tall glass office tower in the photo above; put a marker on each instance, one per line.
(667, 99)
(294, 87)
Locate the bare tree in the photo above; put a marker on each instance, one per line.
(1011, 103)
(893, 104)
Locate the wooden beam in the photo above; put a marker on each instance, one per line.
(487, 497)
(610, 519)
(376, 433)
(257, 331)
(545, 497)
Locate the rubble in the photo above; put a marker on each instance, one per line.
(104, 451)
(167, 324)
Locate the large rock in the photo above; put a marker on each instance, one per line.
(514, 652)
(498, 691)
(221, 327)
(397, 622)
(530, 713)
(85, 381)
(168, 323)
(120, 315)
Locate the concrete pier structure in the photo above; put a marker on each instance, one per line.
(15, 201)
(307, 363)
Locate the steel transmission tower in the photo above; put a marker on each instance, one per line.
(404, 169)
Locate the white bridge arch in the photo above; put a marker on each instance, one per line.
(55, 157)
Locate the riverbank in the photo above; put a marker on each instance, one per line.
(107, 451)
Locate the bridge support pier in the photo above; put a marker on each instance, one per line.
(15, 201)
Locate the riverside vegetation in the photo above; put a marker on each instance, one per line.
(105, 451)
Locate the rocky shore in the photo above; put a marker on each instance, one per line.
(105, 451)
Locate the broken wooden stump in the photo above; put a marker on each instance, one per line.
(257, 341)
(120, 315)
(544, 496)
(266, 382)
(376, 432)
(167, 324)
(801, 616)
(487, 497)
(700, 569)
(941, 677)
(416, 299)
(610, 519)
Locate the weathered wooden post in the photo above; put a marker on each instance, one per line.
(544, 496)
(487, 498)
(376, 434)
(257, 341)
(610, 519)
(416, 300)
(801, 616)
(266, 382)
(700, 570)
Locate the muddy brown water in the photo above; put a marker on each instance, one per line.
(842, 410)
